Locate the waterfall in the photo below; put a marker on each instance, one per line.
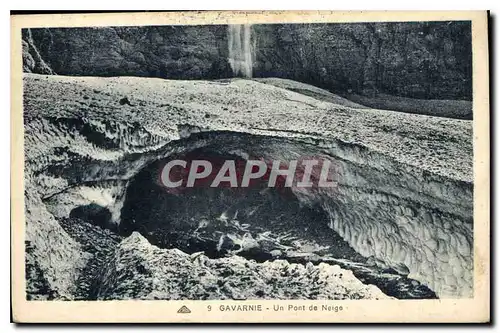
(240, 50)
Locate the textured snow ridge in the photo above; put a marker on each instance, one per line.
(404, 194)
(140, 270)
(58, 256)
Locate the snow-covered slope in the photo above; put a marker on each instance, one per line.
(404, 194)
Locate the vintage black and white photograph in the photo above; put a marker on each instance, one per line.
(266, 161)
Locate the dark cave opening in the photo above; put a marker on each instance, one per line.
(94, 214)
(259, 223)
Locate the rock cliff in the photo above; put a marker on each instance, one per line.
(430, 60)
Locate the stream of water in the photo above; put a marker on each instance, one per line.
(240, 49)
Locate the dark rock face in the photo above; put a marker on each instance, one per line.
(32, 60)
(431, 60)
(169, 51)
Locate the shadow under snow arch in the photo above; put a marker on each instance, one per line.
(386, 215)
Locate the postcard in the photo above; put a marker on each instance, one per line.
(257, 167)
